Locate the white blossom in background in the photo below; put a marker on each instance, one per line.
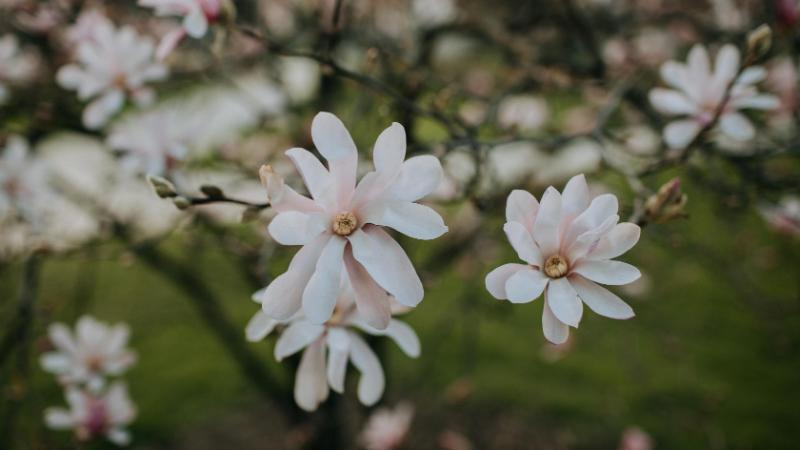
(117, 64)
(523, 112)
(697, 93)
(635, 438)
(567, 243)
(88, 26)
(16, 65)
(387, 428)
(95, 416)
(21, 177)
(341, 226)
(433, 13)
(88, 355)
(783, 217)
(196, 15)
(327, 348)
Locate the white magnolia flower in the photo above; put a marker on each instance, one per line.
(387, 428)
(90, 26)
(698, 93)
(340, 227)
(523, 112)
(329, 347)
(196, 14)
(116, 64)
(94, 416)
(93, 352)
(567, 242)
(16, 65)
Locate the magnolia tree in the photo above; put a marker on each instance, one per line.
(131, 122)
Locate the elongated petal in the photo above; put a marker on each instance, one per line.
(400, 332)
(390, 149)
(412, 219)
(548, 220)
(61, 337)
(564, 302)
(554, 330)
(195, 22)
(526, 285)
(283, 297)
(372, 382)
(315, 176)
(319, 297)
(372, 301)
(668, 101)
(619, 240)
(331, 137)
(521, 207)
(295, 228)
(680, 133)
(418, 177)
(727, 64)
(763, 101)
(523, 243)
(737, 126)
(59, 418)
(387, 264)
(752, 75)
(674, 74)
(601, 300)
(101, 109)
(282, 197)
(575, 198)
(601, 208)
(55, 362)
(311, 384)
(338, 352)
(259, 327)
(608, 272)
(496, 280)
(296, 337)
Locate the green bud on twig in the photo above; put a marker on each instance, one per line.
(759, 41)
(212, 191)
(163, 187)
(182, 202)
(666, 204)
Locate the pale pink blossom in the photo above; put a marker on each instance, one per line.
(523, 112)
(635, 438)
(567, 243)
(783, 217)
(387, 428)
(341, 226)
(196, 15)
(330, 346)
(117, 64)
(698, 92)
(88, 27)
(94, 351)
(93, 416)
(16, 64)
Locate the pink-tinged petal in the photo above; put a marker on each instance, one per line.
(564, 301)
(296, 337)
(319, 296)
(283, 198)
(101, 109)
(600, 210)
(372, 301)
(196, 23)
(674, 74)
(751, 75)
(418, 177)
(667, 101)
(521, 207)
(400, 332)
(523, 243)
(607, 272)
(763, 101)
(338, 352)
(335, 144)
(575, 198)
(680, 133)
(259, 327)
(61, 337)
(496, 280)
(412, 219)
(727, 64)
(295, 228)
(737, 126)
(526, 285)
(283, 297)
(554, 330)
(169, 42)
(548, 221)
(315, 176)
(698, 64)
(311, 384)
(590, 239)
(601, 300)
(619, 240)
(390, 150)
(387, 264)
(372, 382)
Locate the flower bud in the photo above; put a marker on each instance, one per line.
(163, 187)
(666, 204)
(211, 191)
(759, 41)
(272, 182)
(182, 202)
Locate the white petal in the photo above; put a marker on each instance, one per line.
(554, 330)
(119, 436)
(70, 76)
(311, 384)
(526, 285)
(680, 133)
(601, 300)
(575, 197)
(667, 101)
(523, 243)
(283, 297)
(418, 177)
(372, 301)
(698, 62)
(548, 220)
(607, 272)
(564, 301)
(259, 327)
(372, 382)
(58, 418)
(600, 210)
(195, 22)
(295, 337)
(61, 337)
(331, 137)
(295, 228)
(737, 126)
(100, 110)
(496, 279)
(752, 75)
(390, 149)
(727, 64)
(315, 176)
(400, 332)
(55, 362)
(319, 297)
(338, 352)
(521, 207)
(169, 42)
(619, 240)
(765, 102)
(387, 264)
(282, 197)
(412, 219)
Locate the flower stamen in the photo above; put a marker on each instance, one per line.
(556, 266)
(345, 223)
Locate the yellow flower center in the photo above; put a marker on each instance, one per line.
(344, 223)
(556, 266)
